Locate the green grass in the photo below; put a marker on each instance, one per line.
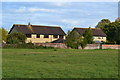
(59, 63)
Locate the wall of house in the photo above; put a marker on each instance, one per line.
(34, 39)
(96, 38)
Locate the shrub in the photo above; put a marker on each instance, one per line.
(83, 43)
(16, 38)
(26, 46)
(88, 35)
(73, 39)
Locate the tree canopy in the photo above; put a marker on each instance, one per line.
(3, 34)
(112, 32)
(88, 36)
(102, 23)
(73, 39)
(118, 20)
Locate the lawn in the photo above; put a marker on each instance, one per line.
(59, 63)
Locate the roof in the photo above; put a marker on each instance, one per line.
(95, 31)
(38, 29)
(58, 41)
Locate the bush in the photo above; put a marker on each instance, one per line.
(16, 38)
(88, 35)
(83, 43)
(73, 39)
(26, 46)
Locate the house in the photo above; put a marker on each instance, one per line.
(98, 34)
(39, 33)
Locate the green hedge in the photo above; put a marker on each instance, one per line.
(26, 46)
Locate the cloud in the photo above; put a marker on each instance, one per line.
(60, 0)
(34, 9)
(61, 4)
(21, 9)
(70, 21)
(40, 10)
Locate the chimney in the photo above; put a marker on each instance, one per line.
(30, 27)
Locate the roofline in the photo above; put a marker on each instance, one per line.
(11, 29)
(37, 25)
(84, 28)
(91, 28)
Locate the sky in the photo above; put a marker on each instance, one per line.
(67, 15)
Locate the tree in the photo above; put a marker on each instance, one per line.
(83, 43)
(102, 23)
(3, 34)
(73, 39)
(88, 36)
(68, 32)
(16, 38)
(112, 32)
(118, 20)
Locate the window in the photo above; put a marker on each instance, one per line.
(99, 37)
(28, 35)
(55, 36)
(46, 36)
(61, 36)
(38, 35)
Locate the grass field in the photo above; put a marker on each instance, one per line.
(59, 63)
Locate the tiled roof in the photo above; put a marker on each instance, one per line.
(38, 29)
(95, 31)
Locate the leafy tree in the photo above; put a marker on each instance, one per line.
(16, 38)
(118, 20)
(68, 32)
(73, 39)
(102, 23)
(112, 32)
(3, 34)
(83, 43)
(88, 36)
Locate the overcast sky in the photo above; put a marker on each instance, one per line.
(65, 14)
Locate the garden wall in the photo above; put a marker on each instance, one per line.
(56, 45)
(110, 46)
(89, 46)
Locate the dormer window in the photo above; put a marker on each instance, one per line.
(99, 37)
(61, 36)
(46, 36)
(38, 35)
(55, 36)
(28, 35)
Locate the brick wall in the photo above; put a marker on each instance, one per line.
(56, 45)
(89, 46)
(110, 46)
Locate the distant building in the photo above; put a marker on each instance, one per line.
(38, 33)
(98, 34)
